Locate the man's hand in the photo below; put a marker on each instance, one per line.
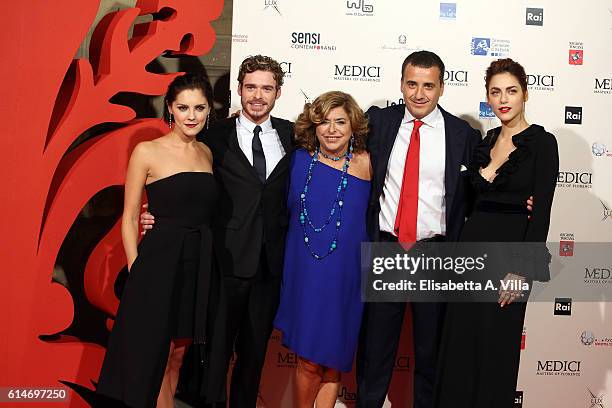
(146, 220)
(530, 206)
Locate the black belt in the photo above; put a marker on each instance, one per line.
(385, 236)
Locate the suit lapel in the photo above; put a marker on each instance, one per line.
(284, 134)
(235, 147)
(389, 135)
(455, 145)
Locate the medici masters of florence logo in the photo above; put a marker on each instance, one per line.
(541, 82)
(565, 368)
(575, 179)
(287, 68)
(456, 77)
(286, 359)
(598, 275)
(603, 85)
(360, 73)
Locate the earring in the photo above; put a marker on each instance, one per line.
(207, 122)
(170, 121)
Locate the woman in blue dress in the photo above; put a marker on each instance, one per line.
(320, 308)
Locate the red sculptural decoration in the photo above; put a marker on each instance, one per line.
(46, 185)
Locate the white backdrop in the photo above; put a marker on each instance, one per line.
(358, 46)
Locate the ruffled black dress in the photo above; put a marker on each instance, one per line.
(481, 342)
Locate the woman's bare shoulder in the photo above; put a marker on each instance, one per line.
(205, 149)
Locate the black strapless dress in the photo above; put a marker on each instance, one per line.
(166, 294)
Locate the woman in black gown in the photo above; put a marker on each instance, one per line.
(164, 303)
(480, 348)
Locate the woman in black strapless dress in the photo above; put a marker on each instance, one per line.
(480, 350)
(164, 304)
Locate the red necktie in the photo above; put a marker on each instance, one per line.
(406, 219)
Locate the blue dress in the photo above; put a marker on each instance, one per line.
(320, 308)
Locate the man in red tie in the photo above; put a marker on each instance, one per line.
(418, 152)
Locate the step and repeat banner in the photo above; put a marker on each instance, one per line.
(358, 46)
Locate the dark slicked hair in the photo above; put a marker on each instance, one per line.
(510, 66)
(424, 59)
(189, 81)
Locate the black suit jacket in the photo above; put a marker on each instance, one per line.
(249, 213)
(460, 140)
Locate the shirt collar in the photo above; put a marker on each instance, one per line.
(431, 120)
(250, 126)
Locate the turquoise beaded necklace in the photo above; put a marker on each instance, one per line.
(337, 205)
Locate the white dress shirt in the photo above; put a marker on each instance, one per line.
(432, 159)
(270, 141)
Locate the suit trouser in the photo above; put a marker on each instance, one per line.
(251, 307)
(379, 338)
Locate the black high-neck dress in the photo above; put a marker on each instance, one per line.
(166, 294)
(481, 342)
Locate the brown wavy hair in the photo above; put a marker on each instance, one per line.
(510, 66)
(261, 63)
(314, 114)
